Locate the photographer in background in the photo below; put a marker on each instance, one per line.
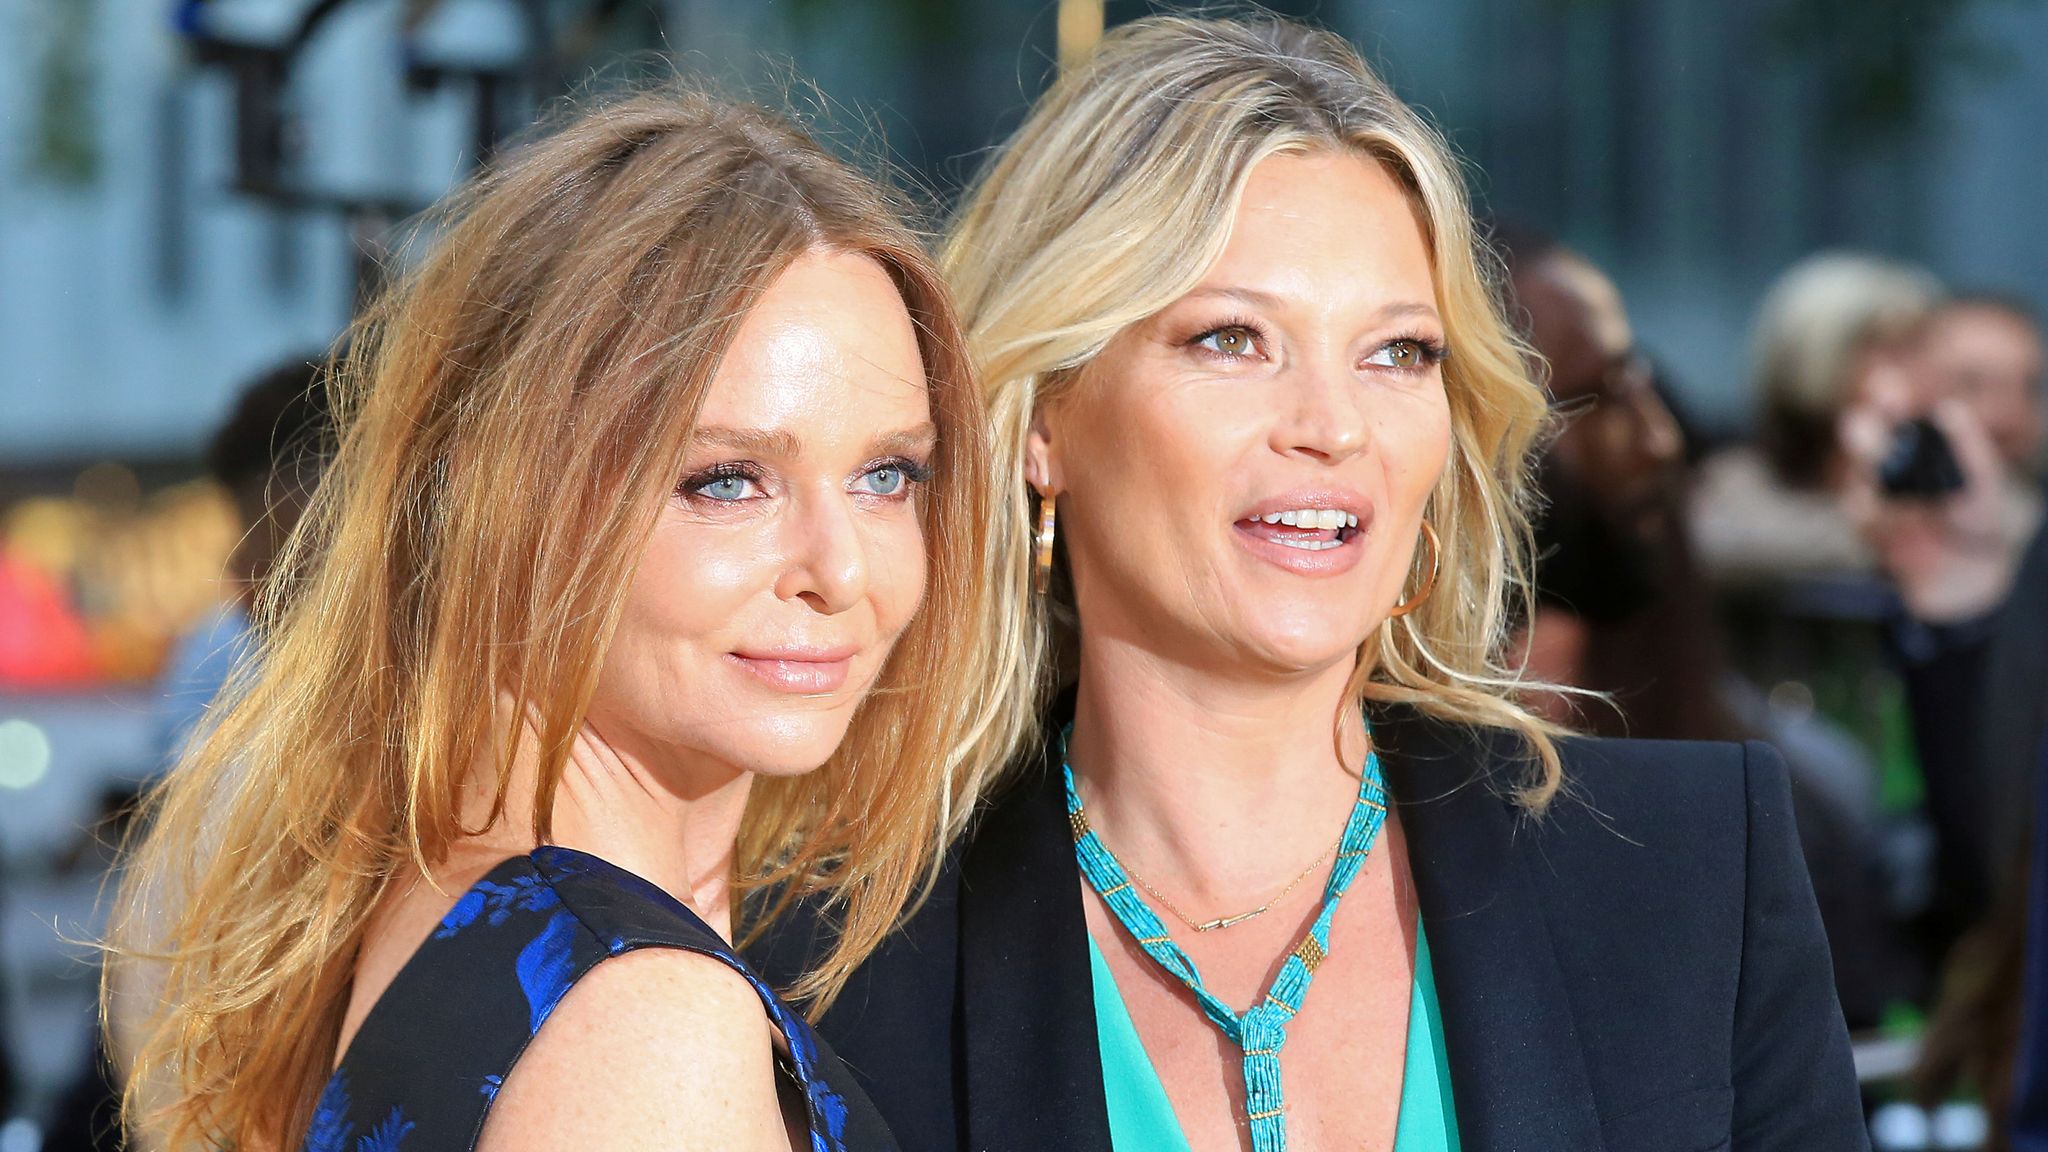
(1768, 513)
(1984, 349)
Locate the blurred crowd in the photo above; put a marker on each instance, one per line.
(1863, 583)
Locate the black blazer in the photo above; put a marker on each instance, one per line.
(1641, 971)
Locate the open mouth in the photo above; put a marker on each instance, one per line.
(1304, 529)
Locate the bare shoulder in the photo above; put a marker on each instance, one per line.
(656, 1049)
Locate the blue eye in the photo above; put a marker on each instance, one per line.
(725, 489)
(892, 479)
(885, 481)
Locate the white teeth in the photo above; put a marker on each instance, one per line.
(1324, 519)
(1312, 545)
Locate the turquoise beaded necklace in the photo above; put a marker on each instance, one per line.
(1261, 1030)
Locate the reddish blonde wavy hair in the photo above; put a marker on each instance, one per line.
(513, 413)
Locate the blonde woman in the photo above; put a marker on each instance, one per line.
(1292, 868)
(646, 572)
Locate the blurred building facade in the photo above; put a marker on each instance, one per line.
(1694, 146)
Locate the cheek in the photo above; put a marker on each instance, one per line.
(1415, 442)
(896, 567)
(1125, 453)
(687, 598)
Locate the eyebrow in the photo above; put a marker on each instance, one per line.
(908, 441)
(777, 444)
(1399, 310)
(753, 441)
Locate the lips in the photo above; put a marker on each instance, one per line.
(1315, 532)
(798, 670)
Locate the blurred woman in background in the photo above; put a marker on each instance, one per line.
(644, 575)
(1828, 339)
(1292, 867)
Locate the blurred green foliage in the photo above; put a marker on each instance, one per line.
(1880, 60)
(65, 141)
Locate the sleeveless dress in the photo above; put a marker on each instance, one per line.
(421, 1074)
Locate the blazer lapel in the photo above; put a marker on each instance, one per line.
(1518, 1074)
(1033, 1077)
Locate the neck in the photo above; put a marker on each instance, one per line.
(1221, 787)
(674, 824)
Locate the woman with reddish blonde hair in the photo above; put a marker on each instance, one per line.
(644, 578)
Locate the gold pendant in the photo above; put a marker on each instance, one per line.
(1227, 921)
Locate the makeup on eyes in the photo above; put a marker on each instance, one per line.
(728, 473)
(1430, 351)
(728, 482)
(1209, 331)
(916, 471)
(913, 473)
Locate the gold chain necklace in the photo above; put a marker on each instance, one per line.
(1222, 922)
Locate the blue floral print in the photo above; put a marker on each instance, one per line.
(546, 967)
(528, 892)
(332, 1128)
(436, 1048)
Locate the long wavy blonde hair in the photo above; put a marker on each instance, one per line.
(513, 414)
(1113, 200)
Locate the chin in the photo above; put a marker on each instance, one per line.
(1305, 649)
(786, 745)
(1301, 632)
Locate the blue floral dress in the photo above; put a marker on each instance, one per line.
(421, 1073)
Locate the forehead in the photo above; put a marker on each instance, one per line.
(1980, 321)
(1327, 226)
(1571, 301)
(829, 345)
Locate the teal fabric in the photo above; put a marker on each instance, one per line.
(1429, 1122)
(1141, 1116)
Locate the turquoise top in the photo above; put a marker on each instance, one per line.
(1141, 1117)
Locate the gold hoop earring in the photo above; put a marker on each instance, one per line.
(1436, 556)
(1048, 529)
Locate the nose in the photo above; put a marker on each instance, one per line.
(1324, 417)
(1662, 442)
(828, 560)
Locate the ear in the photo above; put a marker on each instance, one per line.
(1041, 455)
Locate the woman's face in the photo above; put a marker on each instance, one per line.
(1242, 476)
(791, 555)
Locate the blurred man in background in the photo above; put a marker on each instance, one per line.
(1984, 349)
(268, 456)
(1622, 609)
(1611, 474)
